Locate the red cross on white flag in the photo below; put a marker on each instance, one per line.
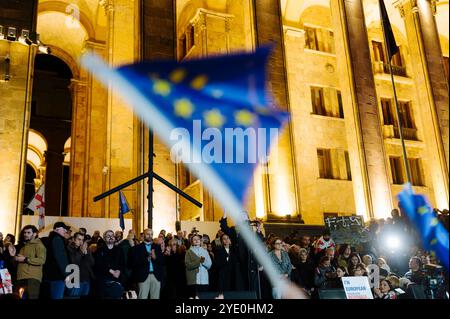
(38, 205)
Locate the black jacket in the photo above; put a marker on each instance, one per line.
(84, 261)
(303, 274)
(228, 270)
(106, 259)
(247, 262)
(141, 266)
(57, 260)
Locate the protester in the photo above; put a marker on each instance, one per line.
(162, 268)
(176, 285)
(79, 255)
(30, 259)
(386, 290)
(415, 273)
(109, 268)
(227, 266)
(324, 274)
(282, 263)
(344, 253)
(197, 262)
(353, 261)
(147, 263)
(304, 270)
(55, 267)
(384, 267)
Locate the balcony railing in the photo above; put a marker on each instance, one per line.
(391, 131)
(381, 67)
(408, 133)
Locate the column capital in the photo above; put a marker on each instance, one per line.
(399, 4)
(107, 5)
(94, 45)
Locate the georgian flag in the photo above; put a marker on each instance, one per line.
(37, 204)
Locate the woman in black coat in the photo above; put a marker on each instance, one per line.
(176, 285)
(304, 270)
(227, 265)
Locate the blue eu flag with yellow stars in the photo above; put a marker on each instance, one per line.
(123, 209)
(214, 114)
(433, 234)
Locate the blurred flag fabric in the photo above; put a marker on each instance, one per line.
(420, 213)
(37, 204)
(200, 101)
(194, 107)
(392, 47)
(123, 209)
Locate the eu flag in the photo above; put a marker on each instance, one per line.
(391, 45)
(215, 117)
(420, 213)
(123, 209)
(213, 111)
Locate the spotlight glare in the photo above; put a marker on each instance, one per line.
(392, 242)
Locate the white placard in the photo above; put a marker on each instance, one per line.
(357, 287)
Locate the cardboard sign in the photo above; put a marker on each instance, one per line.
(357, 287)
(347, 229)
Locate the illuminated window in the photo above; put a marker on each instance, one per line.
(327, 102)
(317, 100)
(183, 47)
(396, 170)
(388, 112)
(415, 166)
(319, 39)
(325, 168)
(190, 35)
(406, 114)
(340, 105)
(378, 52)
(347, 165)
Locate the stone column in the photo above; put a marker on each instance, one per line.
(121, 124)
(79, 139)
(364, 136)
(95, 152)
(432, 88)
(15, 105)
(53, 181)
(282, 178)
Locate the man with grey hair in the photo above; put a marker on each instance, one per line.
(109, 268)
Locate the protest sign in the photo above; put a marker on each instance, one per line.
(357, 287)
(347, 229)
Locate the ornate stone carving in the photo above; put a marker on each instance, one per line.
(107, 5)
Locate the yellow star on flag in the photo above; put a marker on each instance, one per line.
(217, 94)
(434, 222)
(177, 75)
(422, 210)
(244, 117)
(214, 118)
(433, 242)
(161, 87)
(199, 82)
(183, 108)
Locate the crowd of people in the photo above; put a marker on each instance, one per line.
(167, 266)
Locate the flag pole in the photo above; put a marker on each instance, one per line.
(400, 128)
(150, 180)
(399, 121)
